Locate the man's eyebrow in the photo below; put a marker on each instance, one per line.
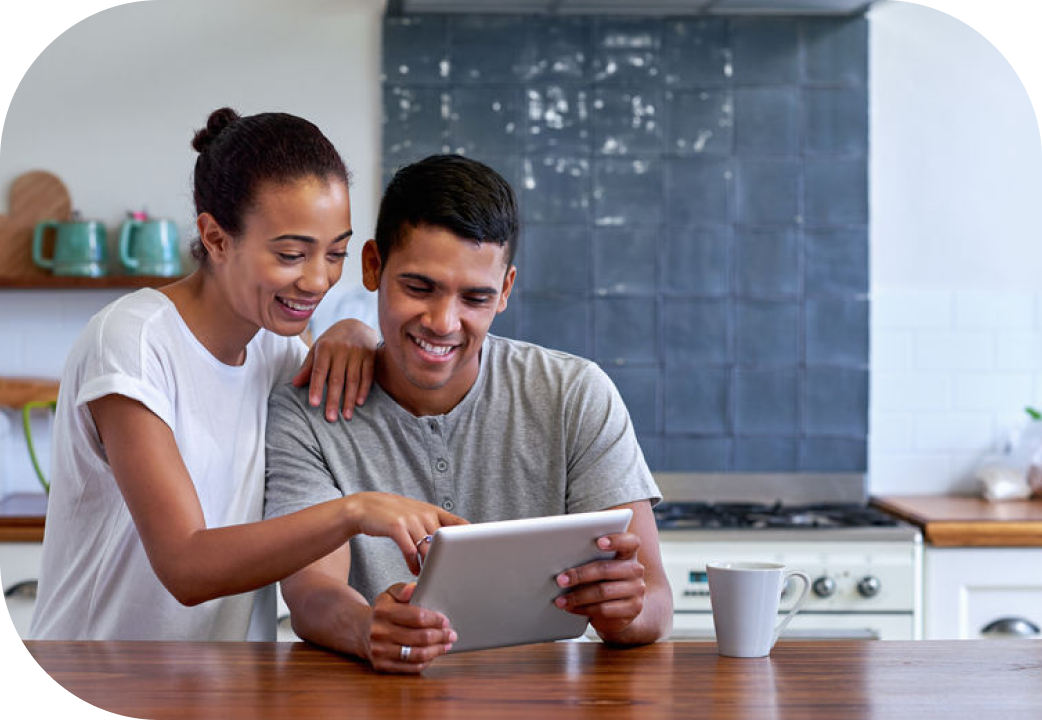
(309, 239)
(418, 277)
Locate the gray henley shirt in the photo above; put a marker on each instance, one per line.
(541, 432)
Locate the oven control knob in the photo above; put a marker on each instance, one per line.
(824, 586)
(869, 586)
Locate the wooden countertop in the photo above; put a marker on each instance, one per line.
(950, 521)
(841, 680)
(22, 517)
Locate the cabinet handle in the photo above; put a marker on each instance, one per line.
(1011, 627)
(25, 590)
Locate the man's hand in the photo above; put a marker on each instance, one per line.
(609, 592)
(341, 361)
(404, 638)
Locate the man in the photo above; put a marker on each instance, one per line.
(486, 427)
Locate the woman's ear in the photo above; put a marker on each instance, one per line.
(213, 237)
(371, 266)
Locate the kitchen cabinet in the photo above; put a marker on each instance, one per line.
(21, 545)
(21, 542)
(982, 566)
(19, 570)
(973, 593)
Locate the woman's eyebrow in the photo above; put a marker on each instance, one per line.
(309, 239)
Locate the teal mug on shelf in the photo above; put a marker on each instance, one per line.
(79, 247)
(150, 247)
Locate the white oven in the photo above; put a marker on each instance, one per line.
(865, 569)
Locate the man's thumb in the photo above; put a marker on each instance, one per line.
(402, 592)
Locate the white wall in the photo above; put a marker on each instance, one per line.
(955, 175)
(955, 164)
(111, 105)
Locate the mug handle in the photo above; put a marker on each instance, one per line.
(129, 262)
(38, 232)
(800, 602)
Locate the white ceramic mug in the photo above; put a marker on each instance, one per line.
(745, 598)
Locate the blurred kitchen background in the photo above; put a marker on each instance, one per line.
(797, 234)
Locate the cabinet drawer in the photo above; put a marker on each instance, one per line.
(20, 566)
(967, 591)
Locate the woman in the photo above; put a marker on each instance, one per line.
(153, 523)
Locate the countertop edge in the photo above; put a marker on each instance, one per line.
(962, 531)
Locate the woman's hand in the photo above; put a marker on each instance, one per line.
(406, 521)
(404, 638)
(341, 361)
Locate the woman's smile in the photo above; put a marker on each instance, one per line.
(298, 309)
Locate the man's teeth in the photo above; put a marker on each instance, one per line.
(433, 349)
(299, 306)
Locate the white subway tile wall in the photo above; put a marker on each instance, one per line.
(953, 371)
(38, 328)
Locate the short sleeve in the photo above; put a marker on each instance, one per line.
(606, 466)
(296, 473)
(118, 359)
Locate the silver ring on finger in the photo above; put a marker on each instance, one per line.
(404, 653)
(424, 539)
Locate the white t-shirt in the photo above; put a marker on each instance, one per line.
(96, 582)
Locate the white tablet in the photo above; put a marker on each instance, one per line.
(495, 581)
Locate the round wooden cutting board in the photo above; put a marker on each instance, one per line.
(35, 196)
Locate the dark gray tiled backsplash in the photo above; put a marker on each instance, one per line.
(694, 197)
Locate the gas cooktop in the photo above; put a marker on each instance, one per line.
(769, 507)
(757, 516)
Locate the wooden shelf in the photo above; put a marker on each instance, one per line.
(16, 392)
(22, 517)
(70, 282)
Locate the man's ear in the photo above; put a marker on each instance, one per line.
(508, 285)
(371, 266)
(213, 237)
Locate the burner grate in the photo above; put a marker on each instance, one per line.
(699, 516)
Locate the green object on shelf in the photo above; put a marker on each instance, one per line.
(26, 411)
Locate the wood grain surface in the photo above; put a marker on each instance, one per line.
(841, 680)
(34, 197)
(22, 517)
(16, 392)
(952, 521)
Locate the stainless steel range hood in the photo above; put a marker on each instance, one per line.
(632, 7)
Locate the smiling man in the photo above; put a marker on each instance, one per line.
(486, 427)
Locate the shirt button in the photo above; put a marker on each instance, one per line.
(448, 505)
(440, 465)
(434, 426)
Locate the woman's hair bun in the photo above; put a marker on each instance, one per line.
(215, 125)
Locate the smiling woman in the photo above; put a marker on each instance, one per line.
(153, 522)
